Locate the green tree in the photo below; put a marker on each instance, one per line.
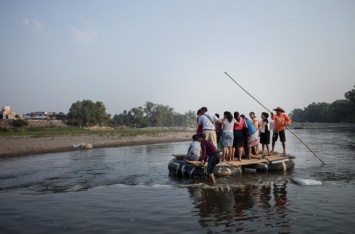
(163, 116)
(120, 120)
(338, 111)
(350, 96)
(317, 112)
(297, 115)
(149, 111)
(88, 113)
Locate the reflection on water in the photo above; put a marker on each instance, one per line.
(129, 190)
(233, 208)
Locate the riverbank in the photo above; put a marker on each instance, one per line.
(25, 145)
(321, 125)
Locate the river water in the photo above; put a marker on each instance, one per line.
(129, 190)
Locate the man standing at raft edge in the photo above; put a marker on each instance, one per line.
(280, 121)
(210, 151)
(208, 121)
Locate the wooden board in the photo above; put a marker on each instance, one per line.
(245, 161)
(234, 163)
(275, 158)
(196, 163)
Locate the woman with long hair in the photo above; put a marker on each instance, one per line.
(227, 135)
(239, 136)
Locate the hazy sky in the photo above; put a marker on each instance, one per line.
(175, 53)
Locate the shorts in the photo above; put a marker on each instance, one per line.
(227, 139)
(265, 137)
(239, 138)
(276, 134)
(213, 160)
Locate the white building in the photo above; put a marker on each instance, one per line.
(6, 113)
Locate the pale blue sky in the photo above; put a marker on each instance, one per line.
(125, 53)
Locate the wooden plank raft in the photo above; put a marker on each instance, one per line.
(273, 157)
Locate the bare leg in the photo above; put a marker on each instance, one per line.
(224, 152)
(240, 150)
(248, 153)
(231, 156)
(267, 149)
(284, 148)
(272, 146)
(212, 178)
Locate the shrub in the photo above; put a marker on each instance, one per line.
(18, 123)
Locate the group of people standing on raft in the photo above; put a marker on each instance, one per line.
(234, 133)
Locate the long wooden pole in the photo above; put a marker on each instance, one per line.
(276, 117)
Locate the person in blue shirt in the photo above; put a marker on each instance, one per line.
(252, 136)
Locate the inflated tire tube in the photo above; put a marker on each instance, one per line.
(278, 165)
(182, 168)
(222, 171)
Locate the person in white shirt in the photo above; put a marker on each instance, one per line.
(227, 135)
(208, 122)
(194, 151)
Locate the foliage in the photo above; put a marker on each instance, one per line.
(87, 113)
(335, 112)
(153, 115)
(18, 123)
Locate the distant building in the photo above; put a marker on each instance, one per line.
(44, 115)
(6, 113)
(38, 115)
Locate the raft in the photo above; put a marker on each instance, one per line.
(181, 167)
(275, 162)
(272, 163)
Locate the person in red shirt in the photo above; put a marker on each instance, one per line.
(210, 152)
(280, 121)
(200, 126)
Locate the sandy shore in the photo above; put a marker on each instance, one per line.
(20, 146)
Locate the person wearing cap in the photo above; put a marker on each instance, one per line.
(280, 121)
(210, 152)
(194, 151)
(208, 122)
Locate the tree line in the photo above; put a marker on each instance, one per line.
(336, 112)
(153, 115)
(88, 113)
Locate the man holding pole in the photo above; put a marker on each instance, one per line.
(280, 121)
(271, 113)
